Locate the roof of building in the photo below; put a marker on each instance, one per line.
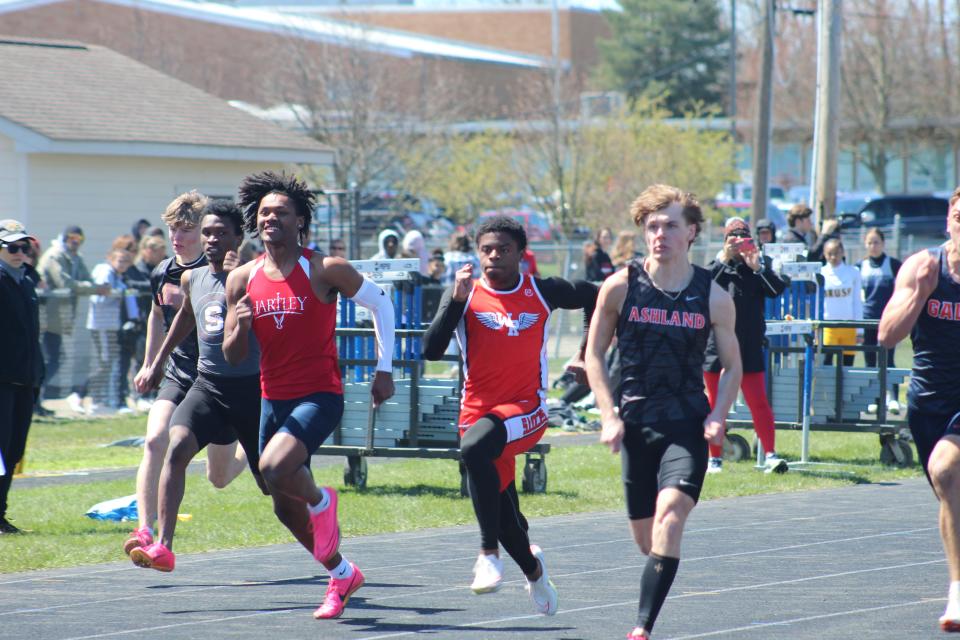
(75, 98)
(318, 28)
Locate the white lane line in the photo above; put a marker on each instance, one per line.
(579, 573)
(414, 536)
(822, 616)
(633, 603)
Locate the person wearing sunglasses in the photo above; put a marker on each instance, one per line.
(21, 368)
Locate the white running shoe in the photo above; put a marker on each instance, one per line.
(893, 407)
(75, 402)
(715, 465)
(487, 574)
(143, 405)
(950, 620)
(542, 592)
(774, 464)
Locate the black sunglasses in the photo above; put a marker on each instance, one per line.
(16, 248)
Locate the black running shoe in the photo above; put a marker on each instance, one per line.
(6, 527)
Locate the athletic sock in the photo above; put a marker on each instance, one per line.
(655, 584)
(321, 506)
(342, 571)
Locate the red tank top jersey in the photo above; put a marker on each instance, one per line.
(503, 336)
(298, 350)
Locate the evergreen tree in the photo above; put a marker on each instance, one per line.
(670, 50)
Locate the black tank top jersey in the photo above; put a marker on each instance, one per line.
(936, 347)
(662, 343)
(165, 281)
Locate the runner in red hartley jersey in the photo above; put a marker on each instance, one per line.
(289, 298)
(501, 326)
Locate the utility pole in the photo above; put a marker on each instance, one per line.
(764, 122)
(733, 92)
(827, 110)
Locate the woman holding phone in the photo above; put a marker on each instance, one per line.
(748, 277)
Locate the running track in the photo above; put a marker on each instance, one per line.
(852, 563)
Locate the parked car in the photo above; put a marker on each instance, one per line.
(537, 225)
(920, 215)
(744, 209)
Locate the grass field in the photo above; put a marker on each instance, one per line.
(401, 496)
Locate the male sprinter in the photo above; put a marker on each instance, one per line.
(926, 304)
(223, 404)
(224, 462)
(289, 297)
(662, 310)
(501, 326)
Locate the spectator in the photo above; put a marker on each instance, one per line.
(878, 272)
(133, 329)
(800, 223)
(625, 249)
(139, 229)
(152, 252)
(599, 266)
(62, 267)
(249, 251)
(416, 247)
(338, 248)
(749, 278)
(829, 231)
(842, 300)
(126, 242)
(104, 320)
(528, 263)
(21, 369)
(460, 254)
(435, 270)
(388, 244)
(156, 232)
(766, 232)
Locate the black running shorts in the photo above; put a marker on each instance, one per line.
(221, 410)
(927, 429)
(676, 457)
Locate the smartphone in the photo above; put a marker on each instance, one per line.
(746, 245)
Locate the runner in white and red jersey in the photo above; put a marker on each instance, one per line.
(501, 326)
(289, 298)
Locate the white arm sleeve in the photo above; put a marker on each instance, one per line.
(372, 297)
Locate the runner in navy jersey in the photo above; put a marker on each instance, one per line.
(662, 310)
(224, 462)
(926, 304)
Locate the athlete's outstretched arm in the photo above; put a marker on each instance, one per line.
(339, 274)
(723, 316)
(916, 281)
(236, 327)
(183, 323)
(453, 302)
(602, 329)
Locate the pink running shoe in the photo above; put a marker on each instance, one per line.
(338, 594)
(638, 634)
(155, 556)
(326, 531)
(138, 538)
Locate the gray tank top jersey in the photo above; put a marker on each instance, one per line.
(209, 300)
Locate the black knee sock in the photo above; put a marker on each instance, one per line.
(655, 584)
(513, 531)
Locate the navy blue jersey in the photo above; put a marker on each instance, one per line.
(877, 275)
(936, 347)
(165, 281)
(662, 338)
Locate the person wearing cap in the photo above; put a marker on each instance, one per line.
(62, 267)
(748, 276)
(21, 368)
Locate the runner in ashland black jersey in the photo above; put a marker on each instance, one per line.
(165, 282)
(926, 304)
(662, 339)
(662, 310)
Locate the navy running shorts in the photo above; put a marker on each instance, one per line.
(310, 419)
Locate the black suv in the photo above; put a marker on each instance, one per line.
(920, 215)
